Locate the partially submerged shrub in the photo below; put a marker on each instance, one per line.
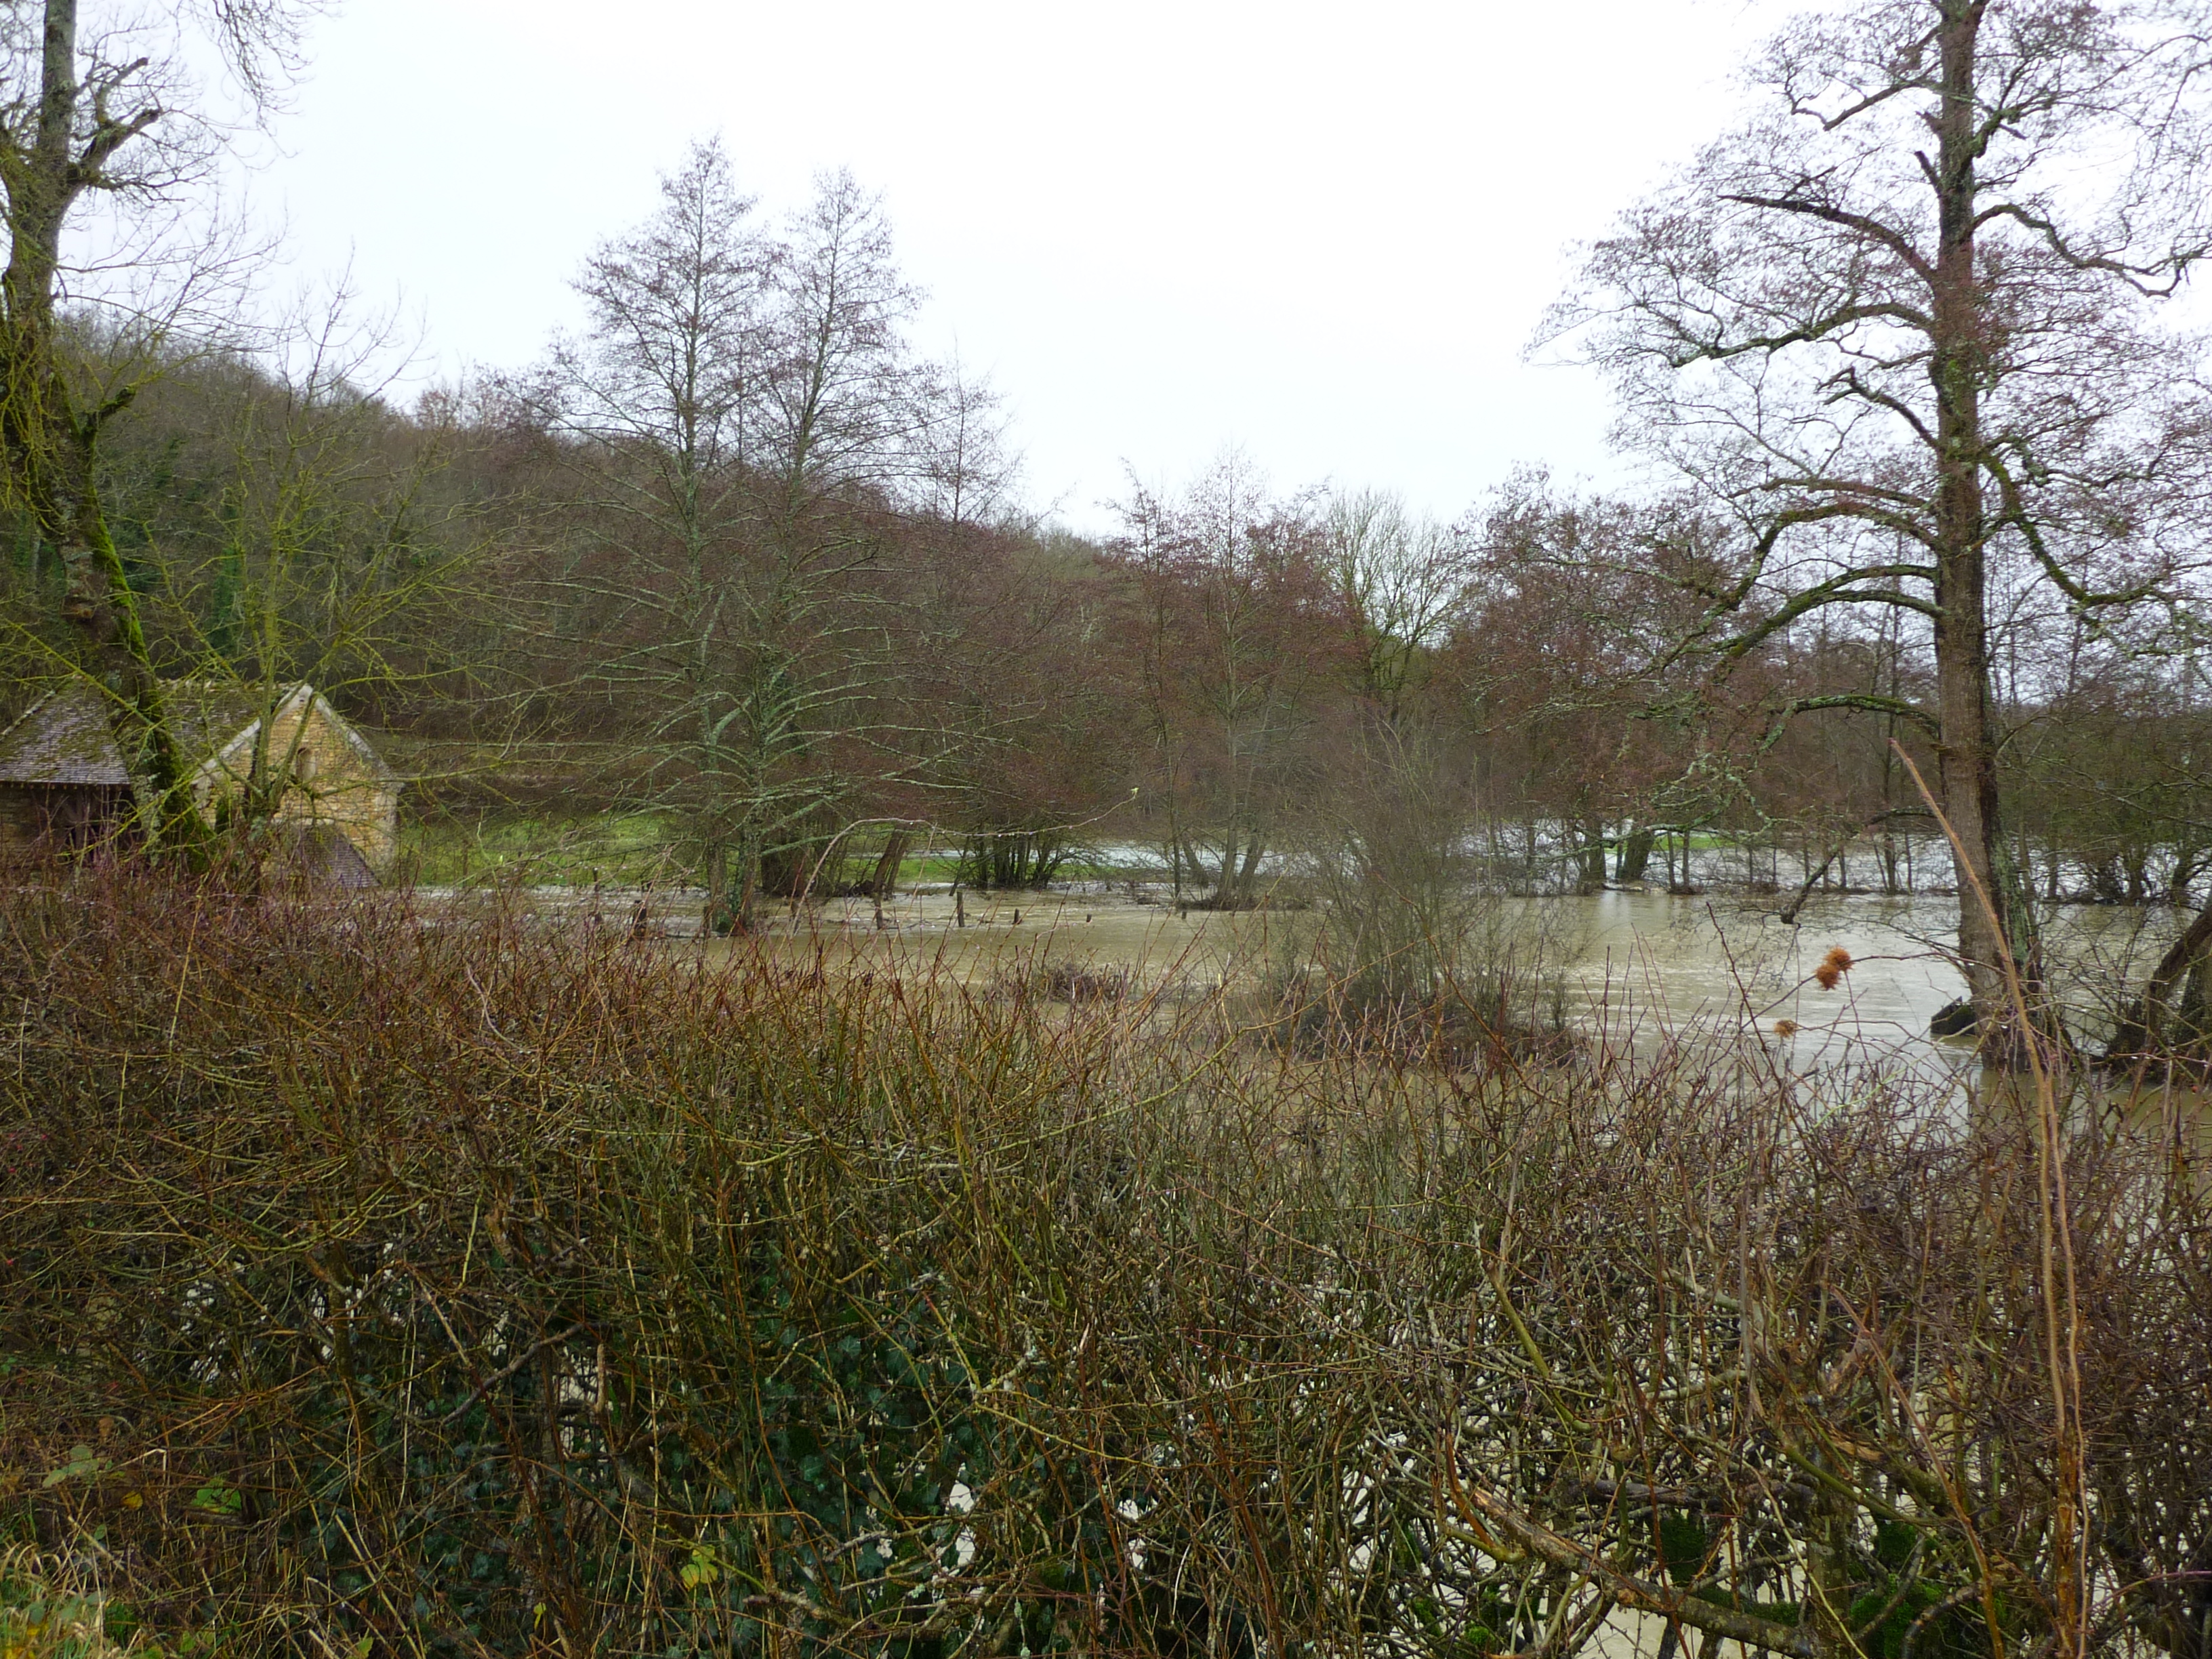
(1065, 982)
(1500, 1023)
(1415, 947)
(1070, 982)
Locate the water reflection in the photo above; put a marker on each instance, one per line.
(1641, 961)
(1650, 964)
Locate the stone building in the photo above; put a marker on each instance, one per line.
(65, 780)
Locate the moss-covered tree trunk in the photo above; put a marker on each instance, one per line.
(50, 441)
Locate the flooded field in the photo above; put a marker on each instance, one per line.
(1637, 962)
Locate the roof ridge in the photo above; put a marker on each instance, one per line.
(29, 709)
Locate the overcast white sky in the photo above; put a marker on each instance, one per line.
(1322, 232)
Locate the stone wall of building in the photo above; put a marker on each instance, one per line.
(334, 779)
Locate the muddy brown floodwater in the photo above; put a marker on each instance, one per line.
(1642, 963)
(1627, 956)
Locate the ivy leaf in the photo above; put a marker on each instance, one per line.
(700, 1571)
(81, 1466)
(218, 1497)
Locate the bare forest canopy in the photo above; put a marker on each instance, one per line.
(1929, 484)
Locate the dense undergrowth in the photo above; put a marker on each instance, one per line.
(368, 1285)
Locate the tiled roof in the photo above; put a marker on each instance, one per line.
(63, 737)
(68, 736)
(206, 715)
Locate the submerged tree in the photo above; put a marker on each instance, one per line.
(1237, 623)
(745, 415)
(1904, 324)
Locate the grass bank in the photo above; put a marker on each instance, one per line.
(368, 1286)
(457, 846)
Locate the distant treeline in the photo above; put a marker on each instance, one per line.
(789, 637)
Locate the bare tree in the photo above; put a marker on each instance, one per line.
(1904, 324)
(341, 555)
(1239, 623)
(745, 415)
(1401, 582)
(968, 472)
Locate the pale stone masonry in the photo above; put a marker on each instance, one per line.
(333, 776)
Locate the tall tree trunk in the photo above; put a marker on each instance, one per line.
(1966, 751)
(716, 875)
(37, 201)
(48, 465)
(1635, 855)
(1590, 878)
(1248, 875)
(50, 445)
(883, 882)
